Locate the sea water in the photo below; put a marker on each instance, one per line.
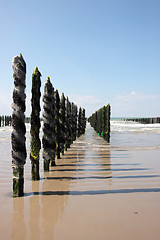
(133, 134)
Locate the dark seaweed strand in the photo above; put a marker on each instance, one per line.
(49, 138)
(35, 124)
(18, 123)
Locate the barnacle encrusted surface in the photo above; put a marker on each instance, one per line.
(49, 138)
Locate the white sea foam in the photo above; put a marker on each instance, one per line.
(128, 126)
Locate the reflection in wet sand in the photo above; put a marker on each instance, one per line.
(34, 213)
(52, 206)
(18, 221)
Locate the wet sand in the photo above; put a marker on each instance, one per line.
(96, 191)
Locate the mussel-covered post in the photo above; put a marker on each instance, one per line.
(79, 122)
(108, 123)
(3, 121)
(83, 121)
(57, 123)
(35, 124)
(68, 124)
(100, 122)
(104, 122)
(62, 123)
(96, 124)
(74, 121)
(18, 124)
(49, 137)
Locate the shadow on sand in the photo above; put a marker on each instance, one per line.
(93, 192)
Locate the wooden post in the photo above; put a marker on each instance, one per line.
(62, 124)
(74, 121)
(49, 137)
(80, 122)
(57, 123)
(18, 124)
(35, 124)
(108, 122)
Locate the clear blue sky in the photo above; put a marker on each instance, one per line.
(95, 51)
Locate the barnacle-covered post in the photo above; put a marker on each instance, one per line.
(83, 121)
(49, 137)
(68, 124)
(10, 120)
(108, 123)
(69, 112)
(35, 124)
(3, 121)
(104, 122)
(79, 122)
(18, 123)
(95, 123)
(76, 117)
(74, 121)
(57, 123)
(62, 123)
(100, 121)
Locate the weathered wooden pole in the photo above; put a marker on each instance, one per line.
(108, 123)
(104, 122)
(83, 121)
(80, 122)
(3, 121)
(62, 124)
(49, 137)
(74, 121)
(35, 124)
(100, 121)
(10, 121)
(68, 124)
(18, 123)
(57, 123)
(96, 119)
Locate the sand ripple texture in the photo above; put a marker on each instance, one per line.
(96, 191)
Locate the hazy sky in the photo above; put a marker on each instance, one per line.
(95, 51)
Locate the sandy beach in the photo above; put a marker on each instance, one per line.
(96, 191)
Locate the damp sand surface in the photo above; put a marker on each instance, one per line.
(96, 191)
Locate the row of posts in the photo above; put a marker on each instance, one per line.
(144, 120)
(5, 121)
(100, 121)
(62, 124)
